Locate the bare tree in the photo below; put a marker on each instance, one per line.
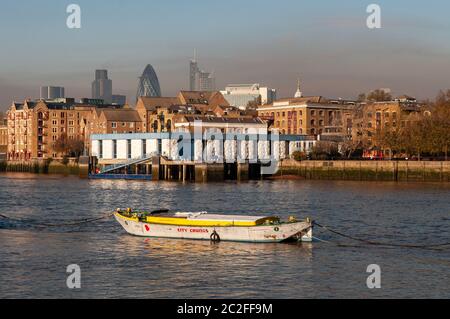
(379, 96)
(69, 147)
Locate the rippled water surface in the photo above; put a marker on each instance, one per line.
(33, 260)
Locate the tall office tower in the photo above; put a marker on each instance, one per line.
(204, 81)
(193, 70)
(102, 86)
(52, 92)
(148, 84)
(200, 80)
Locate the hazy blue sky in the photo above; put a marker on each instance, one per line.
(270, 42)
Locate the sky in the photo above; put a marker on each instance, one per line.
(325, 42)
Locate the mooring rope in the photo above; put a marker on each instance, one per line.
(73, 223)
(374, 243)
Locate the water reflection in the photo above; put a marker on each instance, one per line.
(33, 260)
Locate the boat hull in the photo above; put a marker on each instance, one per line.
(301, 231)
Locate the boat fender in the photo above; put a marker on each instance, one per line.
(215, 238)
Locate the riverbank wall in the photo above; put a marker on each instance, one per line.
(402, 171)
(76, 167)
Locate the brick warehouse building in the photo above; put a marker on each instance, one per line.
(35, 126)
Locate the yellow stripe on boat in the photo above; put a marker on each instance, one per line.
(207, 223)
(203, 222)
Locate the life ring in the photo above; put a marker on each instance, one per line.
(215, 238)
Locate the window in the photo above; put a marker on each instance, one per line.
(321, 113)
(313, 113)
(114, 149)
(100, 149)
(313, 122)
(71, 123)
(321, 122)
(131, 124)
(124, 124)
(129, 148)
(144, 147)
(113, 124)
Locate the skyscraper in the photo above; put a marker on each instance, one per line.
(51, 92)
(200, 80)
(204, 81)
(193, 70)
(148, 84)
(102, 86)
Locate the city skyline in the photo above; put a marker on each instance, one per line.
(336, 54)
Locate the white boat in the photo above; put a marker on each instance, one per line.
(214, 227)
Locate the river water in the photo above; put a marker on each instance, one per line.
(33, 260)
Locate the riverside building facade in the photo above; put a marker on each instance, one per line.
(34, 127)
(306, 115)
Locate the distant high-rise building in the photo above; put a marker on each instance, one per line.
(52, 92)
(200, 80)
(102, 86)
(148, 84)
(193, 69)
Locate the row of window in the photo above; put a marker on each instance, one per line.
(124, 124)
(378, 114)
(313, 123)
(300, 131)
(300, 113)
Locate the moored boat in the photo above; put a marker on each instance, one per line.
(214, 227)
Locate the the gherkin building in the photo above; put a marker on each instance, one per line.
(148, 84)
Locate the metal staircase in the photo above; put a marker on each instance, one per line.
(129, 162)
